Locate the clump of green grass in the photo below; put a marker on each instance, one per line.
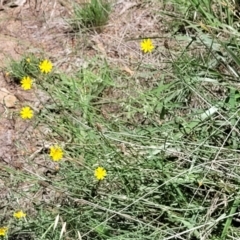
(92, 15)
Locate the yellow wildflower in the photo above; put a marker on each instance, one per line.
(56, 153)
(28, 60)
(147, 45)
(19, 214)
(26, 83)
(45, 66)
(3, 231)
(100, 173)
(26, 113)
(200, 183)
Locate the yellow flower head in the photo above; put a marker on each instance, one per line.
(19, 214)
(26, 113)
(45, 66)
(56, 153)
(28, 60)
(26, 83)
(3, 231)
(147, 45)
(100, 173)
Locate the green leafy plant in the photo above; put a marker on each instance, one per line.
(27, 66)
